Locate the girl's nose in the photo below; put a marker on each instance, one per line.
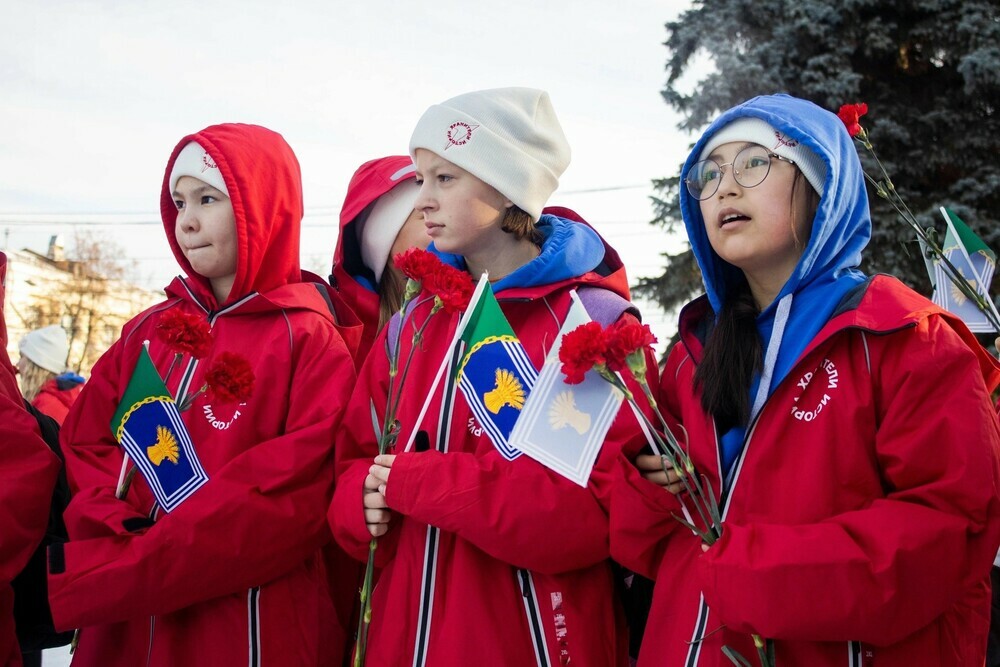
(421, 202)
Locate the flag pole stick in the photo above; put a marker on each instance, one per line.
(983, 286)
(121, 476)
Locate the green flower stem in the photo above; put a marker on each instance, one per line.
(387, 439)
(365, 617)
(675, 457)
(126, 483)
(735, 657)
(418, 336)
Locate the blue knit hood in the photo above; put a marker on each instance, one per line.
(569, 249)
(827, 270)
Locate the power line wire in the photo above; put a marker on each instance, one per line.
(324, 210)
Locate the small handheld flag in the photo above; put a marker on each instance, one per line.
(149, 427)
(563, 426)
(495, 373)
(975, 264)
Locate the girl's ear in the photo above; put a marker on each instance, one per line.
(508, 203)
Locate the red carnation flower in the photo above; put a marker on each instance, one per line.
(625, 338)
(184, 333)
(417, 264)
(230, 378)
(851, 114)
(453, 288)
(582, 348)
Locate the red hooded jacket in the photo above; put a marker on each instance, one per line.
(487, 558)
(54, 401)
(28, 472)
(233, 575)
(372, 180)
(863, 515)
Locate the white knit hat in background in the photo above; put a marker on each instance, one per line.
(378, 231)
(47, 347)
(194, 161)
(757, 131)
(508, 138)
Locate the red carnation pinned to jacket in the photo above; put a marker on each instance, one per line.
(184, 333)
(230, 378)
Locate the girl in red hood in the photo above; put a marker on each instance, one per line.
(377, 222)
(233, 575)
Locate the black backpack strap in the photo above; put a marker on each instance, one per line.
(329, 302)
(32, 616)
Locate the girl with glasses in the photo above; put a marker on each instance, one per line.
(843, 422)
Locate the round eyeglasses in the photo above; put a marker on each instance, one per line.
(750, 167)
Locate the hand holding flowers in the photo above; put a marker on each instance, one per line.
(622, 348)
(451, 290)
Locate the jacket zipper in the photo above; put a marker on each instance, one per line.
(433, 534)
(253, 626)
(533, 614)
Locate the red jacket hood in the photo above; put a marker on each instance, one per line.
(265, 187)
(372, 180)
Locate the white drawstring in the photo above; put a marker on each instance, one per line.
(771, 357)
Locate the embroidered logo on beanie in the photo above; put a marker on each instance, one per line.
(783, 141)
(208, 162)
(193, 160)
(460, 133)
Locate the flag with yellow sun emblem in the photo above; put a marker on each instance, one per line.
(494, 374)
(148, 426)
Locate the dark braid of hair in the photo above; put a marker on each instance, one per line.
(733, 353)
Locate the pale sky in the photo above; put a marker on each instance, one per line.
(94, 95)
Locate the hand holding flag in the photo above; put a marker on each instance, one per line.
(149, 427)
(451, 290)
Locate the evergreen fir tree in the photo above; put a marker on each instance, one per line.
(929, 71)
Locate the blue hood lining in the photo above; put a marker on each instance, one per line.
(569, 249)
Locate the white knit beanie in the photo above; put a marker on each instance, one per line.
(378, 231)
(757, 131)
(47, 347)
(194, 161)
(508, 138)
